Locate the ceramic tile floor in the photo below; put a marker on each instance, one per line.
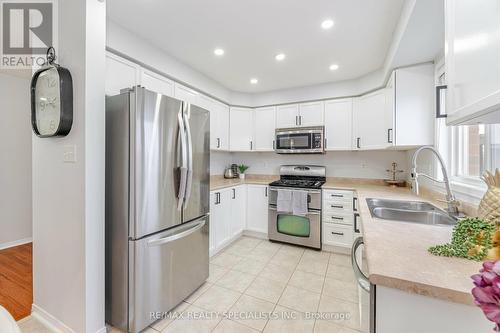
(264, 287)
(270, 287)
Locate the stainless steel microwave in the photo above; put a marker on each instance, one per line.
(302, 140)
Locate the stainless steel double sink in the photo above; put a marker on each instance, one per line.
(409, 211)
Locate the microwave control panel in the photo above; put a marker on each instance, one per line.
(317, 140)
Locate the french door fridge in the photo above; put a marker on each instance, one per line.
(157, 205)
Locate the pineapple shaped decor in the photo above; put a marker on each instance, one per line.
(489, 207)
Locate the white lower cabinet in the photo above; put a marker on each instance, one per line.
(238, 210)
(340, 218)
(227, 216)
(257, 208)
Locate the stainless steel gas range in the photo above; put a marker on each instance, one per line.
(297, 228)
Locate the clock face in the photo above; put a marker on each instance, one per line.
(48, 102)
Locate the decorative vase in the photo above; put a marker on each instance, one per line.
(242, 176)
(489, 207)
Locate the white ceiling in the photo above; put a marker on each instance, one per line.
(253, 32)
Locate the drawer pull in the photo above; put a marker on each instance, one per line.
(337, 218)
(337, 195)
(336, 206)
(337, 233)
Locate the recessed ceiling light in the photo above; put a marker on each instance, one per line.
(254, 81)
(334, 67)
(280, 56)
(218, 52)
(327, 24)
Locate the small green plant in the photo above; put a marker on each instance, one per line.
(472, 239)
(243, 168)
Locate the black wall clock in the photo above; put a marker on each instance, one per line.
(51, 99)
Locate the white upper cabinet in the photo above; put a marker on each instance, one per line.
(338, 124)
(370, 121)
(219, 122)
(120, 74)
(472, 69)
(157, 83)
(311, 114)
(411, 105)
(241, 129)
(186, 94)
(287, 116)
(264, 128)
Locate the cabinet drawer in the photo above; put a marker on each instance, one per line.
(338, 235)
(338, 195)
(338, 206)
(338, 217)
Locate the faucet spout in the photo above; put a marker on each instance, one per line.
(450, 198)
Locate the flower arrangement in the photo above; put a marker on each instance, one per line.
(487, 291)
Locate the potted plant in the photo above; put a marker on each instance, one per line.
(242, 168)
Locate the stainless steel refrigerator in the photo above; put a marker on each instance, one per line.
(157, 205)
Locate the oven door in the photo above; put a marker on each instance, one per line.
(294, 229)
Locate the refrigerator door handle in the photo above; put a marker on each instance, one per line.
(183, 168)
(177, 235)
(189, 181)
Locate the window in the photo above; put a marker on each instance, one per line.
(474, 150)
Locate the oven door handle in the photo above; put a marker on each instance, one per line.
(309, 212)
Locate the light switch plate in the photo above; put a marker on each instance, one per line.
(69, 154)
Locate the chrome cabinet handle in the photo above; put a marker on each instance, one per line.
(251, 145)
(358, 144)
(389, 135)
(354, 206)
(338, 233)
(234, 193)
(336, 206)
(337, 195)
(177, 235)
(336, 218)
(274, 144)
(266, 191)
(218, 142)
(363, 280)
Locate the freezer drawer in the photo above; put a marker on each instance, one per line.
(165, 269)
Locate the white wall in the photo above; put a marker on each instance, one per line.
(15, 161)
(68, 198)
(355, 164)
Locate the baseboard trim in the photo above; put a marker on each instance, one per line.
(49, 321)
(102, 330)
(7, 245)
(255, 234)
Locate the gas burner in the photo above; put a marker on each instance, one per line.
(301, 176)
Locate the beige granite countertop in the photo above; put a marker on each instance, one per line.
(396, 252)
(219, 182)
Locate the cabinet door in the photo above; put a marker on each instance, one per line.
(157, 83)
(257, 208)
(241, 129)
(238, 210)
(265, 126)
(311, 114)
(186, 94)
(287, 116)
(222, 111)
(224, 230)
(120, 74)
(338, 124)
(370, 121)
(472, 68)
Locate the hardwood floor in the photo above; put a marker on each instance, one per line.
(16, 280)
